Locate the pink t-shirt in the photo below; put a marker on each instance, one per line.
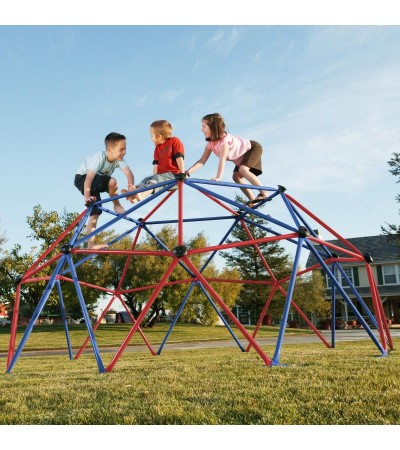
(237, 147)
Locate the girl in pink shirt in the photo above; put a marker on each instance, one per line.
(245, 154)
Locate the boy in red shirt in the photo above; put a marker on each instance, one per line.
(167, 162)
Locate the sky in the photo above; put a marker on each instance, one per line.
(321, 99)
(316, 83)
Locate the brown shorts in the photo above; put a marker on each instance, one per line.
(252, 159)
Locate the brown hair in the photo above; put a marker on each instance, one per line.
(163, 128)
(113, 137)
(217, 126)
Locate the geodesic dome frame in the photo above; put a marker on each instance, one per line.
(296, 230)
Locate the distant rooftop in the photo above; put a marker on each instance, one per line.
(381, 248)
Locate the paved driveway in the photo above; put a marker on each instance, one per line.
(341, 336)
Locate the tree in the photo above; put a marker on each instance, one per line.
(46, 228)
(198, 308)
(247, 260)
(3, 240)
(392, 230)
(145, 271)
(309, 293)
(107, 271)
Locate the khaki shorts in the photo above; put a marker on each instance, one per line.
(157, 178)
(252, 159)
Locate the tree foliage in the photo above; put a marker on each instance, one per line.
(251, 267)
(392, 230)
(309, 292)
(108, 270)
(310, 295)
(46, 227)
(147, 271)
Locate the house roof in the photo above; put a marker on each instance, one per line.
(365, 292)
(381, 248)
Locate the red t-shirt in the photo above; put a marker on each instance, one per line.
(165, 155)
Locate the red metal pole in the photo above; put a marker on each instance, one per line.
(122, 252)
(142, 315)
(99, 322)
(58, 240)
(14, 325)
(180, 212)
(335, 247)
(228, 312)
(128, 259)
(32, 270)
(328, 228)
(143, 336)
(243, 243)
(264, 311)
(95, 326)
(385, 324)
(379, 313)
(305, 318)
(216, 200)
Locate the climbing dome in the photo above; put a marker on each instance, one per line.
(176, 204)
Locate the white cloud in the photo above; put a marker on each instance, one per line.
(171, 94)
(195, 65)
(338, 139)
(140, 101)
(224, 40)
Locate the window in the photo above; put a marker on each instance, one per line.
(349, 273)
(390, 274)
(340, 278)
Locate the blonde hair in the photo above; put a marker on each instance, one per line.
(163, 128)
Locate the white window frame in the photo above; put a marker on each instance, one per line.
(342, 281)
(394, 271)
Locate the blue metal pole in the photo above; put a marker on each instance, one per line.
(79, 228)
(221, 317)
(88, 257)
(86, 315)
(176, 318)
(220, 243)
(359, 298)
(166, 185)
(243, 207)
(124, 215)
(349, 302)
(333, 306)
(38, 310)
(193, 219)
(306, 224)
(289, 295)
(196, 181)
(289, 207)
(161, 243)
(191, 287)
(64, 319)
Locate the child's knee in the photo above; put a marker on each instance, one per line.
(236, 177)
(243, 171)
(112, 184)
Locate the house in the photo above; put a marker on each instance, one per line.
(385, 266)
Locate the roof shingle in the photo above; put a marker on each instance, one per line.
(381, 248)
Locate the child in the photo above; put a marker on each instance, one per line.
(94, 176)
(244, 153)
(167, 161)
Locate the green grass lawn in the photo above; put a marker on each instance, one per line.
(110, 335)
(350, 384)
